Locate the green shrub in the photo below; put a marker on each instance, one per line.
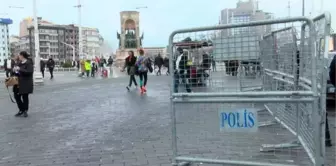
(67, 65)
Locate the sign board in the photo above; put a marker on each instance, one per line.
(241, 120)
(6, 21)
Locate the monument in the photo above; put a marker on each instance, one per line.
(129, 36)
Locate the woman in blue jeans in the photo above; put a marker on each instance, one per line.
(142, 64)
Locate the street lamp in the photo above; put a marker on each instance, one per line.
(80, 44)
(73, 50)
(38, 76)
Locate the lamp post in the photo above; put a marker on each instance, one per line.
(37, 74)
(80, 37)
(73, 50)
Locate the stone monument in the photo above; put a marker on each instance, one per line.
(129, 36)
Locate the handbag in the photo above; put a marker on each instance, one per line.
(11, 81)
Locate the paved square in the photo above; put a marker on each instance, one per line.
(97, 122)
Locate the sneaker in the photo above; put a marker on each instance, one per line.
(144, 89)
(18, 114)
(128, 88)
(25, 114)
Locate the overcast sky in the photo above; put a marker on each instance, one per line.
(157, 21)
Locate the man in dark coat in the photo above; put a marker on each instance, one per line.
(51, 66)
(158, 61)
(332, 76)
(42, 66)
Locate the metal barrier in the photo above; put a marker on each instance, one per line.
(221, 124)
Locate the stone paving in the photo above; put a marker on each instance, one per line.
(97, 122)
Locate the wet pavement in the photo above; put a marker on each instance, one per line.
(97, 122)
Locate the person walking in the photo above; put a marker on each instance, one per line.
(158, 62)
(131, 70)
(181, 69)
(51, 66)
(332, 77)
(87, 68)
(82, 67)
(213, 64)
(109, 64)
(24, 70)
(8, 65)
(42, 66)
(94, 68)
(166, 64)
(143, 64)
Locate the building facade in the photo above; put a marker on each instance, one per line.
(241, 44)
(28, 22)
(152, 52)
(92, 42)
(245, 11)
(4, 40)
(55, 41)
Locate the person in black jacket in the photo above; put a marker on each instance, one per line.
(131, 69)
(51, 66)
(42, 66)
(158, 61)
(166, 64)
(332, 77)
(24, 70)
(181, 68)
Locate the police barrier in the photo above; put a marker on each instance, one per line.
(220, 124)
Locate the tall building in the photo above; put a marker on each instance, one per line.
(92, 42)
(245, 11)
(55, 41)
(4, 39)
(240, 44)
(28, 22)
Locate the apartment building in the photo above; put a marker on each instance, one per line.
(92, 42)
(241, 44)
(245, 11)
(55, 41)
(4, 40)
(28, 22)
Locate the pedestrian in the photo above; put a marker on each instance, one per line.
(131, 69)
(332, 76)
(143, 64)
(110, 63)
(82, 67)
(8, 65)
(87, 68)
(166, 64)
(94, 68)
(102, 63)
(42, 66)
(158, 62)
(213, 63)
(181, 67)
(24, 70)
(51, 66)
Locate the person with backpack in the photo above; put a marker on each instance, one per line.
(144, 65)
